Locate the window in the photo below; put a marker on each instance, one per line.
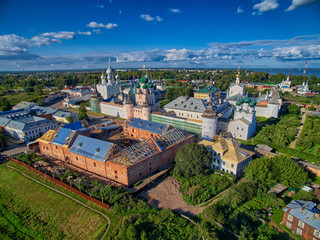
(232, 165)
(316, 233)
(301, 224)
(290, 218)
(150, 168)
(288, 225)
(299, 231)
(224, 163)
(94, 164)
(115, 171)
(77, 158)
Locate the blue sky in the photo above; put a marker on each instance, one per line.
(53, 35)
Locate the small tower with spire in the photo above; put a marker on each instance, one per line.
(103, 78)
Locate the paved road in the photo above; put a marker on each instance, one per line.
(73, 199)
(294, 142)
(13, 150)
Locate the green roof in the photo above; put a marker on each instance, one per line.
(144, 86)
(208, 90)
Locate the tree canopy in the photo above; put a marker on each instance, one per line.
(191, 159)
(82, 112)
(294, 109)
(279, 169)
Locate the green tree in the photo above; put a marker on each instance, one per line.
(267, 172)
(191, 159)
(294, 109)
(4, 104)
(82, 112)
(69, 119)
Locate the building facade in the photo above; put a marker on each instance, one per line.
(228, 156)
(156, 148)
(303, 219)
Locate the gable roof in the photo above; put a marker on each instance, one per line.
(211, 89)
(27, 123)
(157, 128)
(47, 137)
(74, 126)
(91, 148)
(23, 104)
(63, 135)
(230, 149)
(188, 104)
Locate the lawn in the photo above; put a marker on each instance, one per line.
(31, 211)
(302, 99)
(15, 98)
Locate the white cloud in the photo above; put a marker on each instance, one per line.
(100, 6)
(85, 33)
(174, 10)
(240, 10)
(298, 3)
(59, 35)
(15, 50)
(158, 18)
(101, 25)
(266, 5)
(97, 31)
(148, 18)
(13, 46)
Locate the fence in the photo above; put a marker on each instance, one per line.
(62, 184)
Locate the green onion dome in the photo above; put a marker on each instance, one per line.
(138, 86)
(246, 99)
(150, 85)
(239, 102)
(252, 103)
(144, 86)
(144, 79)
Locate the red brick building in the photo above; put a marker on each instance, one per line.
(156, 149)
(303, 218)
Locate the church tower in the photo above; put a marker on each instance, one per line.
(209, 122)
(129, 107)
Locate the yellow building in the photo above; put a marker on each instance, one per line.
(206, 92)
(228, 156)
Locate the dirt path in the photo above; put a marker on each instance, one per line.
(294, 142)
(166, 194)
(73, 199)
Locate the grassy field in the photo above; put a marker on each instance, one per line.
(15, 98)
(302, 99)
(31, 211)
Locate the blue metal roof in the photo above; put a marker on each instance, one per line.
(304, 211)
(62, 136)
(91, 148)
(153, 127)
(111, 127)
(74, 126)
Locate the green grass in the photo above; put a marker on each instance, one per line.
(31, 211)
(15, 98)
(301, 99)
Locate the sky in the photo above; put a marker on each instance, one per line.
(69, 34)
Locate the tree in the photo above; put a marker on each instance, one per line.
(312, 108)
(294, 109)
(82, 112)
(4, 104)
(69, 119)
(191, 159)
(279, 169)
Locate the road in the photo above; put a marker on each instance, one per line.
(61, 193)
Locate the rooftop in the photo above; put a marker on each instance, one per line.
(208, 90)
(91, 148)
(153, 127)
